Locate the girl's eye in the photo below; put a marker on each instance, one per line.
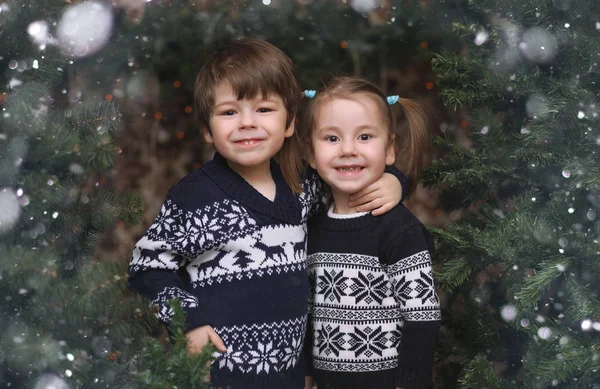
(264, 110)
(365, 137)
(228, 112)
(331, 138)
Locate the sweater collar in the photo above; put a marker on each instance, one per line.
(350, 222)
(284, 207)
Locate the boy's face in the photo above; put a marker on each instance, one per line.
(247, 132)
(351, 144)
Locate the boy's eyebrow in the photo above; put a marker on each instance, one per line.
(226, 102)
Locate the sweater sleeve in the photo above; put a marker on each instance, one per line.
(401, 177)
(316, 192)
(409, 270)
(156, 263)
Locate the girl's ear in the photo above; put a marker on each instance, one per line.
(390, 154)
(311, 160)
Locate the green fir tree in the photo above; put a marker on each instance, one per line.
(521, 267)
(67, 319)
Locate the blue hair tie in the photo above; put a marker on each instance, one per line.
(310, 93)
(392, 99)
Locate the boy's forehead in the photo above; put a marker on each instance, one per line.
(225, 90)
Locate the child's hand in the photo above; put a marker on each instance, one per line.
(199, 337)
(379, 197)
(309, 382)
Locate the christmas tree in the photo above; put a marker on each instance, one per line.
(520, 267)
(66, 318)
(65, 68)
(515, 166)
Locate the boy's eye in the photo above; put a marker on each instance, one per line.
(264, 110)
(365, 137)
(229, 112)
(331, 138)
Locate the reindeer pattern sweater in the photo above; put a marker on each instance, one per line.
(245, 258)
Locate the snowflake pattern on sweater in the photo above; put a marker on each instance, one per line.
(346, 297)
(370, 278)
(244, 258)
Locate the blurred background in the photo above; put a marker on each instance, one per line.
(98, 123)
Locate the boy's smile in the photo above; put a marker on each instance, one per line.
(247, 132)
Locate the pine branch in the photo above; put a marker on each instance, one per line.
(172, 366)
(477, 374)
(535, 286)
(455, 273)
(582, 302)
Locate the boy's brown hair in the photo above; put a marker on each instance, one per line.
(252, 66)
(410, 150)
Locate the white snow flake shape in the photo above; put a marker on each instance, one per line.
(262, 348)
(289, 354)
(187, 234)
(163, 220)
(264, 357)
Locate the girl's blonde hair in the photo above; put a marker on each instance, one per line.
(410, 149)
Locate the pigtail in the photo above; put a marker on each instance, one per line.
(291, 162)
(413, 144)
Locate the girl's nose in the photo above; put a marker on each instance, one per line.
(348, 148)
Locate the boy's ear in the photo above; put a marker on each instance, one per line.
(390, 153)
(291, 128)
(207, 135)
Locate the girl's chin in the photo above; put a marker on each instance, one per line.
(346, 190)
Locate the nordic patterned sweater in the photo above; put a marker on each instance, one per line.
(374, 311)
(245, 257)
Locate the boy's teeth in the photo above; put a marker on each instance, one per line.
(349, 169)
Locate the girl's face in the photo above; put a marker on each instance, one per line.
(351, 144)
(247, 133)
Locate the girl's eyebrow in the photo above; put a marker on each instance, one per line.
(367, 127)
(358, 128)
(328, 128)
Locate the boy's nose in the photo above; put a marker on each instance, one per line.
(247, 120)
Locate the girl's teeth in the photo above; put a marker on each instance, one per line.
(349, 169)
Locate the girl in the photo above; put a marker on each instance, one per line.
(374, 310)
(236, 227)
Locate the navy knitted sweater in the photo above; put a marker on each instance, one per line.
(245, 257)
(374, 310)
